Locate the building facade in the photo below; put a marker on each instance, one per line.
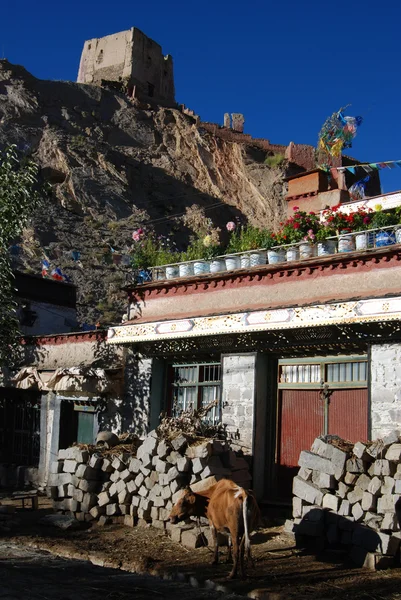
(290, 351)
(134, 60)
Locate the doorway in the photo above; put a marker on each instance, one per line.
(318, 396)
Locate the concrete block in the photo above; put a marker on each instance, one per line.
(307, 491)
(323, 480)
(162, 466)
(320, 447)
(120, 486)
(56, 466)
(305, 474)
(133, 510)
(70, 466)
(355, 495)
(360, 451)
(345, 508)
(124, 497)
(342, 490)
(386, 503)
(158, 524)
(355, 465)
(113, 491)
(183, 464)
(388, 486)
(175, 534)
(205, 484)
(172, 474)
(144, 515)
(394, 452)
(88, 486)
(106, 466)
(397, 486)
(148, 447)
(134, 465)
(62, 490)
(78, 495)
(139, 479)
(363, 482)
(162, 449)
(97, 511)
(159, 502)
(114, 477)
(112, 510)
(315, 462)
(132, 487)
(86, 472)
(198, 464)
(373, 520)
(382, 467)
(369, 502)
(145, 471)
(297, 506)
(389, 523)
(391, 438)
(389, 544)
(350, 478)
(129, 520)
(146, 462)
(126, 475)
(143, 491)
(357, 511)
(331, 502)
(89, 501)
(136, 500)
(164, 514)
(208, 472)
(173, 457)
(179, 443)
(103, 498)
(95, 461)
(191, 538)
(375, 486)
(62, 454)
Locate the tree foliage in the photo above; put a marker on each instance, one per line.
(19, 196)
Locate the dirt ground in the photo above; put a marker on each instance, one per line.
(280, 569)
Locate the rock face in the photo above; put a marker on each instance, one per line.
(112, 163)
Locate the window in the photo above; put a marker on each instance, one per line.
(195, 386)
(19, 428)
(339, 371)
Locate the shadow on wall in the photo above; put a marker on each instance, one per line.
(131, 411)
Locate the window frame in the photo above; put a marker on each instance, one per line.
(322, 362)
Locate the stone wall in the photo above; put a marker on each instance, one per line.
(141, 487)
(345, 496)
(385, 388)
(131, 57)
(238, 399)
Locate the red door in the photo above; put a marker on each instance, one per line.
(301, 420)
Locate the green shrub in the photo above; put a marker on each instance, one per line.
(274, 161)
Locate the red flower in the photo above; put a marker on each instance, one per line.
(295, 208)
(296, 226)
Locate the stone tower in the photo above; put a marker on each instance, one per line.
(133, 59)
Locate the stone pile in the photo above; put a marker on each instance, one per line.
(141, 489)
(345, 495)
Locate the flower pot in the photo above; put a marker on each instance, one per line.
(245, 260)
(306, 250)
(258, 258)
(201, 267)
(159, 273)
(186, 269)
(276, 256)
(384, 238)
(233, 262)
(398, 236)
(361, 241)
(326, 247)
(217, 265)
(292, 253)
(172, 272)
(346, 243)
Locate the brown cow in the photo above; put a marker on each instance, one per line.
(227, 507)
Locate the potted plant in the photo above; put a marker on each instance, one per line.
(326, 246)
(271, 242)
(361, 221)
(342, 224)
(381, 218)
(245, 239)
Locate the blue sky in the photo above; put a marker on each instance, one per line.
(285, 65)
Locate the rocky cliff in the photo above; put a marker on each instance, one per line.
(112, 164)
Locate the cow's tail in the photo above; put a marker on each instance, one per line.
(246, 530)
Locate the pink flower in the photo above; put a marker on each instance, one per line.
(366, 220)
(295, 208)
(137, 234)
(230, 226)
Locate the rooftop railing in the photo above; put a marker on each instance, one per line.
(346, 241)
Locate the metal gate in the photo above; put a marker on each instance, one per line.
(318, 396)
